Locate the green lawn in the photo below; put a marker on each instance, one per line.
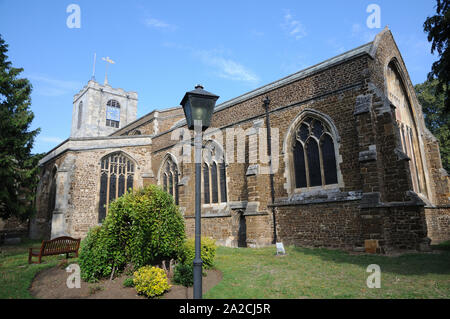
(16, 274)
(323, 273)
(302, 273)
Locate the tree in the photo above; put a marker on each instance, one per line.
(437, 119)
(438, 29)
(18, 169)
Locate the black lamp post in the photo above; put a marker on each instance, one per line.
(198, 106)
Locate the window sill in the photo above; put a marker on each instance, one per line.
(215, 205)
(315, 189)
(318, 197)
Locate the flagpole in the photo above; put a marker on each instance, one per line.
(93, 69)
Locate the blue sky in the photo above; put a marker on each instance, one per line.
(163, 48)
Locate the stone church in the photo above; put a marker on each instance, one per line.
(354, 160)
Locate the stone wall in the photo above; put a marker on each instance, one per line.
(373, 198)
(438, 224)
(335, 224)
(78, 187)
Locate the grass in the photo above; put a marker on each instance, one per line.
(302, 273)
(16, 274)
(324, 273)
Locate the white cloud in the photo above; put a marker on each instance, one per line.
(159, 24)
(50, 139)
(47, 86)
(227, 68)
(293, 27)
(224, 67)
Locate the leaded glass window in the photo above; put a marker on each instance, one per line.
(313, 153)
(169, 177)
(206, 189)
(116, 177)
(214, 176)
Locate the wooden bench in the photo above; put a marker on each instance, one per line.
(57, 246)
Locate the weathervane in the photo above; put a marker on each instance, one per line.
(108, 61)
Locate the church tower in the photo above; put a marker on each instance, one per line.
(99, 110)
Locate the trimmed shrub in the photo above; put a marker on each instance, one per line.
(184, 275)
(208, 252)
(150, 281)
(142, 227)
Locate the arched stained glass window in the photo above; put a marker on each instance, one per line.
(314, 167)
(214, 184)
(329, 159)
(313, 153)
(116, 177)
(214, 176)
(169, 178)
(223, 182)
(112, 113)
(299, 163)
(206, 189)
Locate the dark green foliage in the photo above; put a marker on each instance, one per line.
(93, 259)
(142, 227)
(438, 29)
(18, 168)
(184, 274)
(437, 119)
(128, 282)
(208, 252)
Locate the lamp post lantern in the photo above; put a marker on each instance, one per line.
(198, 106)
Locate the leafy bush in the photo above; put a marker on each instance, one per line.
(128, 282)
(184, 274)
(150, 281)
(142, 227)
(93, 258)
(208, 252)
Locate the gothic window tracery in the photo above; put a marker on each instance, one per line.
(214, 176)
(116, 177)
(314, 155)
(170, 178)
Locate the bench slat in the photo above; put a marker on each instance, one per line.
(57, 246)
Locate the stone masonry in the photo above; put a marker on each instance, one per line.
(376, 195)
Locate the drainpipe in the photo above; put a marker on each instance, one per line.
(269, 151)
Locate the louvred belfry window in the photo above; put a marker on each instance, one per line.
(169, 177)
(113, 113)
(117, 176)
(314, 155)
